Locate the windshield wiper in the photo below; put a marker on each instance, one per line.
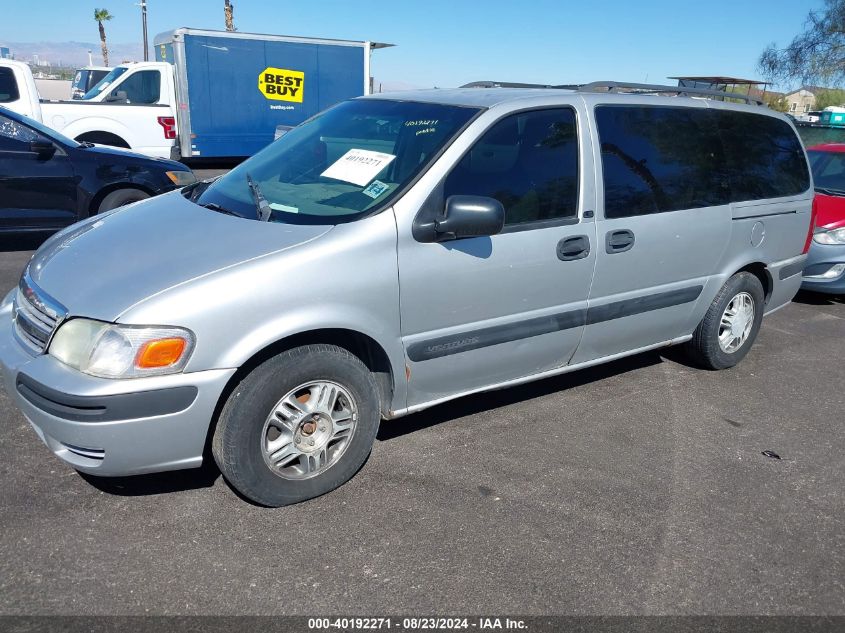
(830, 192)
(216, 207)
(264, 210)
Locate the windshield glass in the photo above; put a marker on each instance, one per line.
(828, 171)
(105, 82)
(339, 165)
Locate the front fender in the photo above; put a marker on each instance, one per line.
(344, 279)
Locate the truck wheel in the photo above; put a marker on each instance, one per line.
(121, 197)
(298, 426)
(730, 326)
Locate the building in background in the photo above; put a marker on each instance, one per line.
(803, 100)
(5, 53)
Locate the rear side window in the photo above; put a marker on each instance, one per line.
(8, 86)
(142, 87)
(764, 156)
(658, 159)
(528, 162)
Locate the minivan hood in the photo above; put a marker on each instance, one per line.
(102, 266)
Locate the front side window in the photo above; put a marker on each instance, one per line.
(340, 165)
(526, 161)
(658, 159)
(8, 86)
(142, 87)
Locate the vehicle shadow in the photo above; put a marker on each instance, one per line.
(22, 241)
(478, 403)
(817, 299)
(157, 483)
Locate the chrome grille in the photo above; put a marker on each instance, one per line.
(36, 316)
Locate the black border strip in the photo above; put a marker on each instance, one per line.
(128, 406)
(792, 269)
(497, 334)
(329, 622)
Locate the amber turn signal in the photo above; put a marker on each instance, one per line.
(160, 353)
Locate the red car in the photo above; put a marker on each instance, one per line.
(825, 269)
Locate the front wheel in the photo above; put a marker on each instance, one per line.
(120, 198)
(730, 326)
(300, 425)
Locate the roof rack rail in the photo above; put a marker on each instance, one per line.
(503, 84)
(620, 86)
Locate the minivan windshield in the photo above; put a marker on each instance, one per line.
(105, 82)
(338, 166)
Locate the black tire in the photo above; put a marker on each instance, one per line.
(704, 348)
(121, 197)
(238, 438)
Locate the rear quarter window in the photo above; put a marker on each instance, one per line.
(764, 156)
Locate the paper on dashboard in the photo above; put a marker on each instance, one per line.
(358, 166)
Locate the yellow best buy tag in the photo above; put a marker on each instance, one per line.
(281, 84)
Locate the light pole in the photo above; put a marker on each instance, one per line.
(143, 6)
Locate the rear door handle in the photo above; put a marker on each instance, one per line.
(571, 248)
(619, 241)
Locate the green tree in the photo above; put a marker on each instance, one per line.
(103, 15)
(777, 103)
(815, 56)
(825, 98)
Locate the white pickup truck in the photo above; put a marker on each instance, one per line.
(133, 107)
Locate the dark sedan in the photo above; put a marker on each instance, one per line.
(48, 181)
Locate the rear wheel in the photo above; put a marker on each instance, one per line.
(300, 425)
(730, 326)
(120, 198)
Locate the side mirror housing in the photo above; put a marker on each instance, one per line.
(118, 96)
(470, 216)
(42, 148)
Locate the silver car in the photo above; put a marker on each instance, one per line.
(396, 252)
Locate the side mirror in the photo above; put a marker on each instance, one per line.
(43, 148)
(470, 216)
(118, 96)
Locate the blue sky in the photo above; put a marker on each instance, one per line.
(450, 42)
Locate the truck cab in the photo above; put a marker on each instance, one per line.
(86, 78)
(146, 83)
(131, 107)
(17, 89)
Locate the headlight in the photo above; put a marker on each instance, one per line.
(107, 350)
(181, 178)
(836, 236)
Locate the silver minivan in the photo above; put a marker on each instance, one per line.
(393, 253)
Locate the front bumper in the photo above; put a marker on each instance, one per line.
(820, 259)
(111, 427)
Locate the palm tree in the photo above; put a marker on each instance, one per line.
(103, 15)
(228, 14)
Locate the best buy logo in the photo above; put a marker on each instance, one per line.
(281, 84)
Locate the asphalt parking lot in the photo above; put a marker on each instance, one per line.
(638, 487)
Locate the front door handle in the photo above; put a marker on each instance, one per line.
(619, 241)
(571, 248)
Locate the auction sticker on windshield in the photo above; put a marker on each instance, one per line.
(358, 166)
